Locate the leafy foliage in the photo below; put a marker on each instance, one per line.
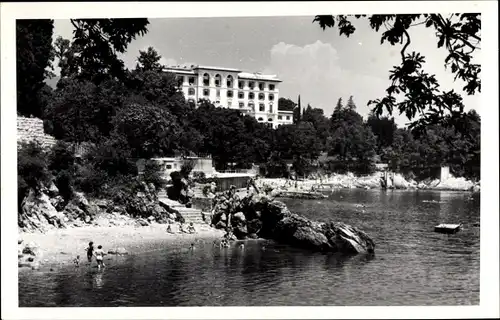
(149, 60)
(423, 101)
(99, 41)
(32, 169)
(34, 57)
(152, 174)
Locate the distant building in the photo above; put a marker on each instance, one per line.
(255, 94)
(171, 164)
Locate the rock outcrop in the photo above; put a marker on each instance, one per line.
(259, 216)
(38, 213)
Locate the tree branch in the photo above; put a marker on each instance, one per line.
(408, 41)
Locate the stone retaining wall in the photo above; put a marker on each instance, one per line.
(31, 129)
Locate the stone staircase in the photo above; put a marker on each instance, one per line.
(189, 214)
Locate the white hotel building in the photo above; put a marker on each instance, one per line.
(251, 93)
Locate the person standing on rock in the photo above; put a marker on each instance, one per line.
(90, 251)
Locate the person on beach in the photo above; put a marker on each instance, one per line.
(181, 228)
(99, 257)
(90, 251)
(169, 228)
(191, 228)
(77, 261)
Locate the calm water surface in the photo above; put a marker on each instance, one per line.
(412, 264)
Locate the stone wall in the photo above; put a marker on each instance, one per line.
(31, 129)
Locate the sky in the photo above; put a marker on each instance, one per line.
(321, 66)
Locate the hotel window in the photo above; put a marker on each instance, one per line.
(191, 101)
(261, 96)
(251, 85)
(251, 95)
(217, 80)
(271, 97)
(242, 105)
(261, 86)
(271, 107)
(241, 84)
(270, 119)
(191, 91)
(241, 95)
(206, 92)
(271, 87)
(260, 119)
(230, 93)
(251, 106)
(169, 166)
(206, 80)
(262, 107)
(217, 93)
(191, 80)
(280, 117)
(288, 117)
(229, 81)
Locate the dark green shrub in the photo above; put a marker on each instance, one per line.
(152, 174)
(199, 176)
(32, 168)
(186, 168)
(62, 164)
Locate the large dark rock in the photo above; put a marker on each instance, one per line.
(259, 216)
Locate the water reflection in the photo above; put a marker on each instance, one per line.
(98, 282)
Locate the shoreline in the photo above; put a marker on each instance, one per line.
(59, 247)
(369, 182)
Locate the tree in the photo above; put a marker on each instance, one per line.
(316, 117)
(72, 113)
(286, 104)
(460, 34)
(66, 52)
(149, 60)
(149, 130)
(34, 55)
(384, 129)
(351, 141)
(350, 104)
(338, 106)
(299, 143)
(298, 116)
(99, 41)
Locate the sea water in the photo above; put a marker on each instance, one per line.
(412, 265)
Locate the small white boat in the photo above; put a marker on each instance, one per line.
(448, 228)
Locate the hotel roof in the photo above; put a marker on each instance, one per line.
(258, 76)
(216, 68)
(244, 75)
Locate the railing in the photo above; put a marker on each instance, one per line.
(235, 171)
